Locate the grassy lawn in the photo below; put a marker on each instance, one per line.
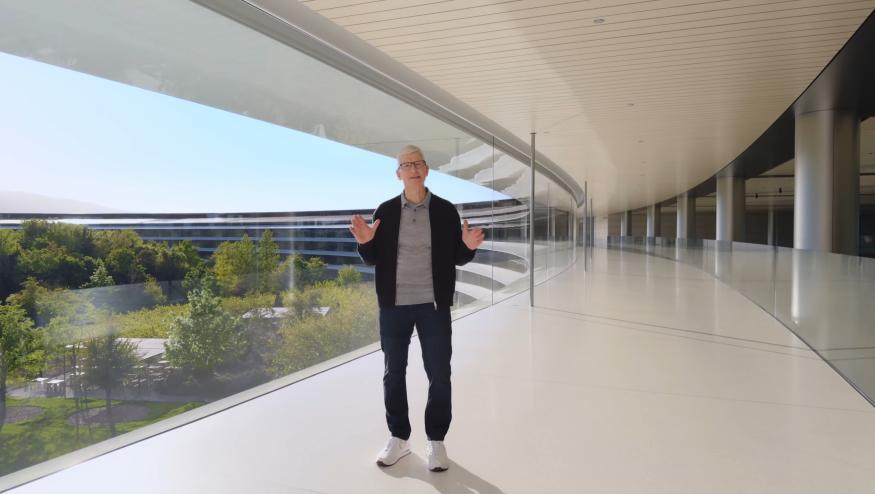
(49, 435)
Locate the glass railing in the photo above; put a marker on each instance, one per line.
(825, 299)
(201, 312)
(116, 323)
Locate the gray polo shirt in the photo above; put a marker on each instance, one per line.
(413, 280)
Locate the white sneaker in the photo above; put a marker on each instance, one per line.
(395, 449)
(436, 454)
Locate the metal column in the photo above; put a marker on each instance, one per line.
(532, 227)
(654, 221)
(686, 216)
(730, 209)
(827, 192)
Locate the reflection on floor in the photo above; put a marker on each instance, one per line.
(640, 375)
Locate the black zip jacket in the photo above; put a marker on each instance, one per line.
(447, 249)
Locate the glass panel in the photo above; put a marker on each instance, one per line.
(190, 240)
(510, 227)
(824, 298)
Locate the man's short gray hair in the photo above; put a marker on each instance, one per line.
(409, 149)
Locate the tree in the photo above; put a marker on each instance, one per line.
(100, 277)
(186, 253)
(32, 230)
(123, 266)
(43, 304)
(300, 272)
(200, 276)
(309, 337)
(348, 275)
(314, 271)
(19, 347)
(110, 358)
(154, 292)
(235, 266)
(266, 262)
(61, 303)
(53, 265)
(75, 239)
(207, 337)
(172, 265)
(10, 248)
(106, 241)
(189, 252)
(150, 256)
(26, 298)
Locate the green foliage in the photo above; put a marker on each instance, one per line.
(200, 276)
(36, 234)
(154, 291)
(100, 277)
(74, 307)
(54, 265)
(172, 264)
(154, 322)
(189, 253)
(207, 337)
(348, 275)
(312, 271)
(234, 264)
(238, 306)
(19, 347)
(42, 304)
(20, 342)
(110, 358)
(300, 272)
(266, 262)
(124, 267)
(10, 248)
(131, 260)
(50, 435)
(10, 242)
(310, 338)
(106, 241)
(31, 290)
(75, 319)
(245, 267)
(58, 255)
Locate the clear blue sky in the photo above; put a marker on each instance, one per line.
(75, 136)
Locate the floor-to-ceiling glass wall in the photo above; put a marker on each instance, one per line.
(175, 211)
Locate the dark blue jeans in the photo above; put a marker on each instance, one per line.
(433, 325)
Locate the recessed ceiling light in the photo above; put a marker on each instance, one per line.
(598, 20)
(640, 141)
(630, 104)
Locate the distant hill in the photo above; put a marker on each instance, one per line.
(13, 201)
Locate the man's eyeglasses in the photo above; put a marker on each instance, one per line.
(409, 165)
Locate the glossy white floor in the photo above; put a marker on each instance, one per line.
(639, 376)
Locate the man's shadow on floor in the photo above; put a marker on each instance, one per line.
(453, 481)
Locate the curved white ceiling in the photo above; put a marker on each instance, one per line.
(640, 99)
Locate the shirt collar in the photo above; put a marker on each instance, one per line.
(424, 203)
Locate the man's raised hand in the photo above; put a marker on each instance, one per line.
(472, 237)
(361, 231)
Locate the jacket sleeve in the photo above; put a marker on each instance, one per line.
(463, 254)
(368, 251)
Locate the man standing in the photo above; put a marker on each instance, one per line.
(415, 244)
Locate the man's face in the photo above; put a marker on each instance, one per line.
(413, 175)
